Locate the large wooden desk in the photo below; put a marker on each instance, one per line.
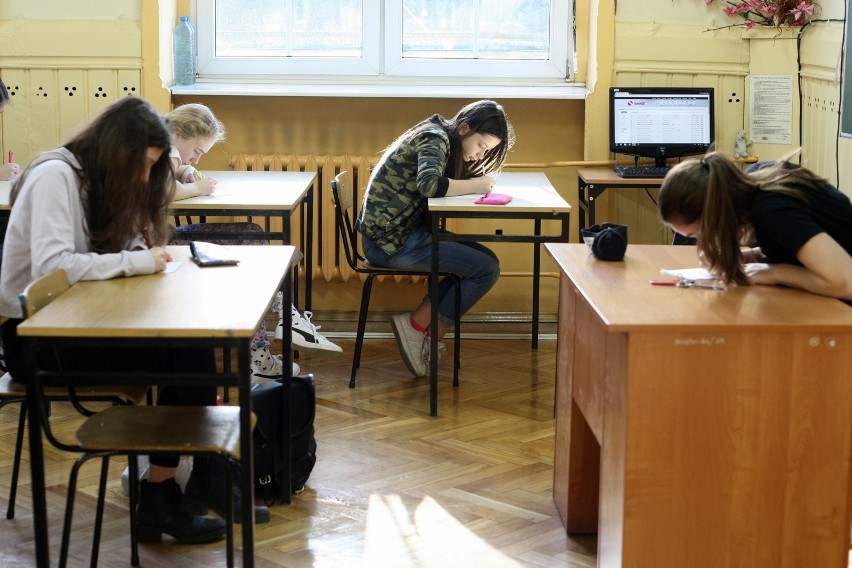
(593, 181)
(533, 198)
(211, 307)
(267, 194)
(698, 428)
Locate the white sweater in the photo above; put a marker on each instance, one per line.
(47, 230)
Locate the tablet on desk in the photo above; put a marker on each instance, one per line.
(211, 254)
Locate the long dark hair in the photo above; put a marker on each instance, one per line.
(111, 151)
(483, 117)
(716, 191)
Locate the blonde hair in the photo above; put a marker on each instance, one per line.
(193, 120)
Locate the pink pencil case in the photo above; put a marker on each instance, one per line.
(494, 199)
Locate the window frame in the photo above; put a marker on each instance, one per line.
(381, 60)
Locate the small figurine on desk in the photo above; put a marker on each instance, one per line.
(741, 145)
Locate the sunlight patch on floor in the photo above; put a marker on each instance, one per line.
(428, 537)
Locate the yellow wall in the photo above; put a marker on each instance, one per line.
(48, 47)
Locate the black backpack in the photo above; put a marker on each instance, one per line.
(268, 454)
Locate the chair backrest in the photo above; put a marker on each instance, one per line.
(42, 291)
(343, 210)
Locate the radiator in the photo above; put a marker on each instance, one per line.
(329, 259)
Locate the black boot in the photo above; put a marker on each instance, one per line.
(205, 490)
(160, 512)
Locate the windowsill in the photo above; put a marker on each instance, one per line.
(541, 91)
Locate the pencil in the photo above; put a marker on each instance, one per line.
(147, 238)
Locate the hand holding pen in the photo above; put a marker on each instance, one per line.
(161, 256)
(10, 170)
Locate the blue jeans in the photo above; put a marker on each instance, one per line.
(476, 265)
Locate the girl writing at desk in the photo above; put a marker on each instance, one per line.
(90, 208)
(795, 224)
(194, 131)
(435, 158)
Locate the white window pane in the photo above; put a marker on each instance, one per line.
(288, 28)
(376, 40)
(476, 29)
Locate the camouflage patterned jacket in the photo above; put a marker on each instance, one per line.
(407, 175)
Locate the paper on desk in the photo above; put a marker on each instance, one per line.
(690, 273)
(172, 266)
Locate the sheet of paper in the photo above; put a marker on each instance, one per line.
(690, 273)
(172, 266)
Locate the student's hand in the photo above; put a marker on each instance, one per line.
(759, 273)
(161, 258)
(185, 174)
(8, 172)
(205, 186)
(487, 184)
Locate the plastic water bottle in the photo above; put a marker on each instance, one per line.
(184, 54)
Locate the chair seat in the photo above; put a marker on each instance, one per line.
(10, 388)
(141, 429)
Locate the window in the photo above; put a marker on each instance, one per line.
(359, 40)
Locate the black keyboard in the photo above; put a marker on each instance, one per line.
(641, 171)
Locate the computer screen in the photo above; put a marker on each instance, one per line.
(660, 122)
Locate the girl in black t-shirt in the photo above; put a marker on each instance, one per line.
(777, 223)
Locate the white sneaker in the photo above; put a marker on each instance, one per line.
(272, 368)
(304, 333)
(410, 342)
(427, 351)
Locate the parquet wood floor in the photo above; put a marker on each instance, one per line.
(393, 487)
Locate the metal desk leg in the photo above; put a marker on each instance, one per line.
(247, 466)
(309, 249)
(36, 410)
(433, 343)
(536, 281)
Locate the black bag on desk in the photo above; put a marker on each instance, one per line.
(269, 458)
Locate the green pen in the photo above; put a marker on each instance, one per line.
(198, 175)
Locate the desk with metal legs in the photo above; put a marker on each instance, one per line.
(533, 198)
(266, 194)
(593, 181)
(218, 307)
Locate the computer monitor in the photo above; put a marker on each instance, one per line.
(661, 122)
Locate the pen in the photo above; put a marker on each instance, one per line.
(10, 156)
(147, 237)
(664, 282)
(198, 175)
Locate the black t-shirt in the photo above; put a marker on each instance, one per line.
(782, 224)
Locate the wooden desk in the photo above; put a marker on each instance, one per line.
(193, 307)
(593, 181)
(698, 428)
(267, 194)
(533, 198)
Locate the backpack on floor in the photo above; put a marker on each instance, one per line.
(268, 449)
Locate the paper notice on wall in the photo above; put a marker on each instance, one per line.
(771, 109)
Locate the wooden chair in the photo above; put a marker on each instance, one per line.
(133, 430)
(40, 293)
(343, 209)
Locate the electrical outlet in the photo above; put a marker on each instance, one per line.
(70, 90)
(100, 93)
